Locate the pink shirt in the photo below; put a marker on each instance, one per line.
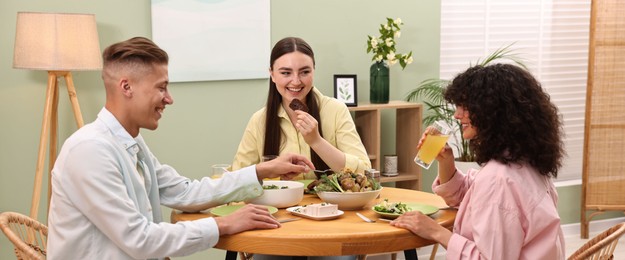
(505, 212)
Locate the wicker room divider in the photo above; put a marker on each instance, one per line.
(603, 177)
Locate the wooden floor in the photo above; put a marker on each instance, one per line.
(572, 242)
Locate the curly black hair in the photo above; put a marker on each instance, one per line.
(515, 120)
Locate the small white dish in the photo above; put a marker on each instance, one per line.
(298, 211)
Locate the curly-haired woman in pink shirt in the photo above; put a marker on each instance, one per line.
(506, 210)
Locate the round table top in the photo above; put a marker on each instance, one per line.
(345, 235)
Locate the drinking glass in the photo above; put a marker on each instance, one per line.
(432, 145)
(267, 158)
(219, 170)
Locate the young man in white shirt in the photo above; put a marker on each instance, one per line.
(108, 187)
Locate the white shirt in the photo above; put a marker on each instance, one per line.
(100, 208)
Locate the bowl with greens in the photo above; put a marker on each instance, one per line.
(280, 194)
(346, 189)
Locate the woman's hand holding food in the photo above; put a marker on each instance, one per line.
(308, 127)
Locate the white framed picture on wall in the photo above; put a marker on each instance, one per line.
(213, 40)
(345, 89)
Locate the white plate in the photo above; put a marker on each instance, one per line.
(294, 211)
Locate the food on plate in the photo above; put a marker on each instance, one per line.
(296, 104)
(344, 181)
(274, 187)
(392, 208)
(318, 210)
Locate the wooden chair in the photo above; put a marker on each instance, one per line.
(27, 235)
(601, 247)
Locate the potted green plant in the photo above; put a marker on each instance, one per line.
(431, 91)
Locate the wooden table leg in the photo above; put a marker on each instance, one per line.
(411, 254)
(231, 255)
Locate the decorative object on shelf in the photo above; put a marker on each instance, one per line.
(384, 55)
(345, 89)
(390, 164)
(368, 120)
(431, 92)
(379, 83)
(58, 43)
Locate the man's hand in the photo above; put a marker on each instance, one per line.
(246, 218)
(285, 166)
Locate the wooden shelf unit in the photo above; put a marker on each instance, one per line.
(367, 118)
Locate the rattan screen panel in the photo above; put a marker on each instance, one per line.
(603, 177)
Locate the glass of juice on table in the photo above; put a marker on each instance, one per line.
(219, 170)
(434, 142)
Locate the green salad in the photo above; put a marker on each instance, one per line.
(392, 208)
(274, 187)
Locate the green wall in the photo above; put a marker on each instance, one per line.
(204, 125)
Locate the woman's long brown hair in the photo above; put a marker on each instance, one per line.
(273, 133)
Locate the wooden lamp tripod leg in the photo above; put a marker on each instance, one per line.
(43, 139)
(74, 99)
(49, 128)
(71, 91)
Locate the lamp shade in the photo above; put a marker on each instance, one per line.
(56, 41)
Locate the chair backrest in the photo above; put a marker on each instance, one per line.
(601, 246)
(27, 235)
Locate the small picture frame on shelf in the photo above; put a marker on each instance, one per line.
(345, 89)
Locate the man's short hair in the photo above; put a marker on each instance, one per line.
(135, 51)
(134, 56)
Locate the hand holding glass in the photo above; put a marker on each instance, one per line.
(435, 140)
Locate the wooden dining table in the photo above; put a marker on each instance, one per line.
(345, 235)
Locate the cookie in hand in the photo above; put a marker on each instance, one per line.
(296, 104)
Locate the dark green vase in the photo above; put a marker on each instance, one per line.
(378, 83)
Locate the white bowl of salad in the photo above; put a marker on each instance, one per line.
(280, 194)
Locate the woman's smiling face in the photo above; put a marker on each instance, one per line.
(462, 115)
(293, 74)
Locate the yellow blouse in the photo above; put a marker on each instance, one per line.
(337, 126)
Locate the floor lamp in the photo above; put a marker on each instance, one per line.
(58, 43)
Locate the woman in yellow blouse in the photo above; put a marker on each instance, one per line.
(325, 133)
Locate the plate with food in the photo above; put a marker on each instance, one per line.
(228, 209)
(392, 210)
(319, 211)
(345, 180)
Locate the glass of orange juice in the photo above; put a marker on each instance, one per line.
(432, 145)
(219, 170)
